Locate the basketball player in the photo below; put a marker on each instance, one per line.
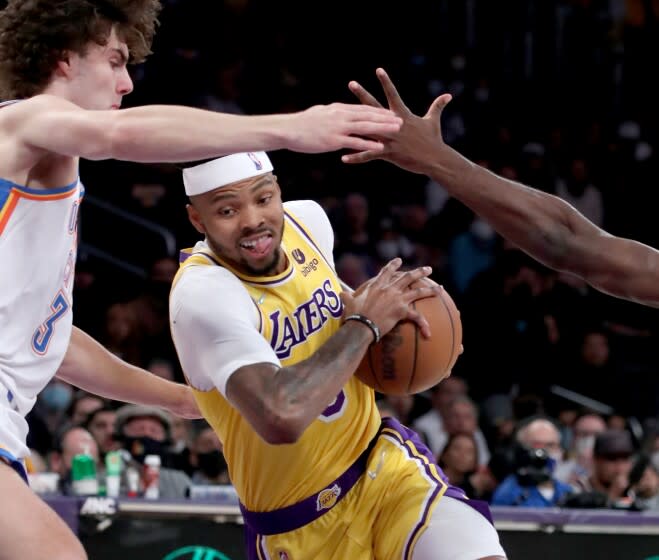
(63, 70)
(543, 225)
(269, 343)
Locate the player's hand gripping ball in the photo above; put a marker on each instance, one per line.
(404, 362)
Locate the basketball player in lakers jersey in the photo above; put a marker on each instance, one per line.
(269, 342)
(66, 61)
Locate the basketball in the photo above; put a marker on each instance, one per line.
(404, 362)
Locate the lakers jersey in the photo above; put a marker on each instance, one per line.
(222, 320)
(38, 239)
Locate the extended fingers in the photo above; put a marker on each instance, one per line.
(393, 98)
(364, 96)
(362, 144)
(388, 271)
(361, 157)
(407, 278)
(378, 113)
(419, 292)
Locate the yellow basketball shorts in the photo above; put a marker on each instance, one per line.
(377, 509)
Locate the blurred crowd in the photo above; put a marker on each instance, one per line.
(555, 399)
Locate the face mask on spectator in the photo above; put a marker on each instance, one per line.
(387, 249)
(211, 463)
(655, 460)
(140, 447)
(481, 230)
(584, 444)
(56, 397)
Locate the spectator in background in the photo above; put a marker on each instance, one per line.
(101, 425)
(82, 405)
(353, 269)
(608, 484)
(162, 368)
(430, 426)
(533, 483)
(579, 463)
(459, 461)
(353, 226)
(53, 403)
(179, 450)
(146, 430)
(646, 489)
(472, 252)
(122, 334)
(71, 442)
(594, 361)
(461, 417)
(206, 456)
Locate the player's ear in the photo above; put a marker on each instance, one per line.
(65, 65)
(195, 218)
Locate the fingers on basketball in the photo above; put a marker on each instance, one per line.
(404, 362)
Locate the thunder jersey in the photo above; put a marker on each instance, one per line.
(38, 238)
(295, 313)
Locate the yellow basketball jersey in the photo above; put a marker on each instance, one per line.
(300, 310)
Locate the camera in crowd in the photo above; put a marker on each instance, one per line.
(532, 466)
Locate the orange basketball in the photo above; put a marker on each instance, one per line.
(404, 362)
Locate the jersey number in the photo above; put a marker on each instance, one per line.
(335, 409)
(42, 336)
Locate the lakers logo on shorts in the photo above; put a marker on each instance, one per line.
(328, 497)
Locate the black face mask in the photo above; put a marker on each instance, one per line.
(211, 463)
(140, 447)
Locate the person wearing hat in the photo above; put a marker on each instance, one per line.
(612, 463)
(269, 339)
(146, 430)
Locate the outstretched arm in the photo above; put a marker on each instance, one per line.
(165, 133)
(91, 367)
(543, 225)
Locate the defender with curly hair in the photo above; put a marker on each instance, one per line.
(63, 74)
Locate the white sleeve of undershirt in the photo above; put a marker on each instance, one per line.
(215, 327)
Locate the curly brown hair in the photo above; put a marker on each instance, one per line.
(36, 34)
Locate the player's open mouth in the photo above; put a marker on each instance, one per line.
(257, 246)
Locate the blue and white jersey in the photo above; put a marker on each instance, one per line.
(38, 243)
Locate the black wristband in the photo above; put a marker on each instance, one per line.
(366, 321)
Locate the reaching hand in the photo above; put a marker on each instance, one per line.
(325, 128)
(386, 298)
(415, 146)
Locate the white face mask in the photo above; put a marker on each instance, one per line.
(482, 230)
(387, 249)
(655, 460)
(584, 444)
(557, 456)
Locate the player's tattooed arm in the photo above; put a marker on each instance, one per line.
(280, 403)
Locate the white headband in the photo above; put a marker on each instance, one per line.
(224, 171)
